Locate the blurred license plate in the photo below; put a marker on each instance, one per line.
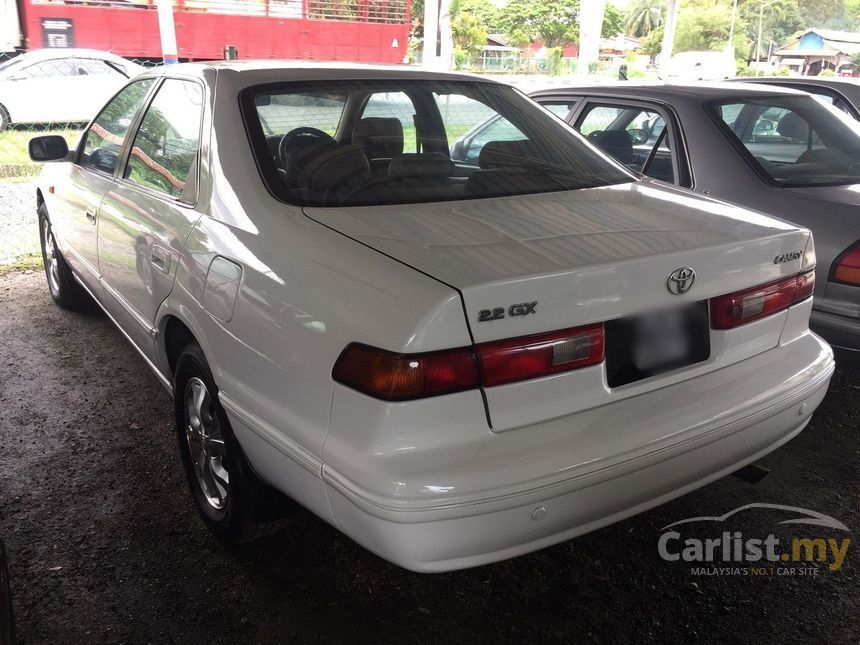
(643, 346)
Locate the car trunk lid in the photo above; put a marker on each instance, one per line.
(585, 256)
(547, 262)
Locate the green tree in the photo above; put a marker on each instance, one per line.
(613, 21)
(644, 16)
(653, 42)
(469, 33)
(555, 22)
(779, 21)
(704, 25)
(489, 14)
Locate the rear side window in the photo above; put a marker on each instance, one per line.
(560, 108)
(103, 140)
(51, 68)
(95, 67)
(794, 140)
(391, 113)
(164, 153)
(633, 135)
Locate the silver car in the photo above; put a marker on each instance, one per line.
(776, 150)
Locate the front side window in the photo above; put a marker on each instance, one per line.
(633, 135)
(102, 142)
(794, 141)
(471, 140)
(164, 152)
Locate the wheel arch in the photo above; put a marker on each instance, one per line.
(175, 336)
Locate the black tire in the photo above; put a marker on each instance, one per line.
(63, 287)
(249, 508)
(5, 119)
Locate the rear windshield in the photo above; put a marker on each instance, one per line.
(794, 140)
(359, 143)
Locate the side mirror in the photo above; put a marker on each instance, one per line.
(50, 147)
(638, 136)
(457, 151)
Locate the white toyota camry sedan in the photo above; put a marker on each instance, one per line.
(453, 362)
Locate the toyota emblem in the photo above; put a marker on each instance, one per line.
(681, 280)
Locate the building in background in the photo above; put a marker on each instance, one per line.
(814, 50)
(373, 31)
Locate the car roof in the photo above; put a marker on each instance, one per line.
(262, 71)
(664, 91)
(67, 52)
(831, 81)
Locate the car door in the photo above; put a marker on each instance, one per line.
(642, 136)
(43, 92)
(74, 215)
(149, 210)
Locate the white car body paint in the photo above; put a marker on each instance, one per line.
(450, 482)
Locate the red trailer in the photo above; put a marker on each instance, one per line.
(323, 30)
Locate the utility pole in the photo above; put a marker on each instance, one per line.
(438, 49)
(672, 8)
(758, 40)
(167, 29)
(590, 25)
(732, 28)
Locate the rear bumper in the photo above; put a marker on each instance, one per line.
(445, 531)
(843, 332)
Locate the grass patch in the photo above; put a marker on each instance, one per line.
(13, 142)
(29, 262)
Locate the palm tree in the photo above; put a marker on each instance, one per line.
(644, 16)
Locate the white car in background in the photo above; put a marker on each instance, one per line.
(452, 361)
(59, 85)
(699, 66)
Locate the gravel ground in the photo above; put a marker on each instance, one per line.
(104, 544)
(19, 234)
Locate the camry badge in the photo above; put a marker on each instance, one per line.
(681, 280)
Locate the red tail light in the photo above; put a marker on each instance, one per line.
(530, 357)
(741, 307)
(846, 269)
(399, 377)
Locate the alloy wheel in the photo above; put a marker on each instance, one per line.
(206, 443)
(52, 266)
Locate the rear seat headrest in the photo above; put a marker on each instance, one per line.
(380, 137)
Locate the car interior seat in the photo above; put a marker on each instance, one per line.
(381, 139)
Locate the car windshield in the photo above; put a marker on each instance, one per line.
(794, 140)
(358, 143)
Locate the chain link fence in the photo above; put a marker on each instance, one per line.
(45, 92)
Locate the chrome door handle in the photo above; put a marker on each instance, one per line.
(161, 258)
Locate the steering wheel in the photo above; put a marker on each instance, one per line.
(300, 136)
